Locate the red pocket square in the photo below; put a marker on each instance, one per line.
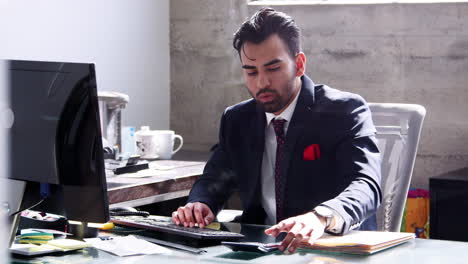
(312, 152)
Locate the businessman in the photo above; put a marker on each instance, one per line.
(303, 156)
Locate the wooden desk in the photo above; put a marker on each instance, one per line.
(165, 180)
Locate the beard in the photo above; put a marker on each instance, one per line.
(278, 102)
(274, 105)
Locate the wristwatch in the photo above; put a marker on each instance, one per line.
(325, 212)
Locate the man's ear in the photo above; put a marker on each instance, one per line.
(300, 64)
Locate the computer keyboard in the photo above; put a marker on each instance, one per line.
(163, 225)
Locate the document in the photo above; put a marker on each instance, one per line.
(360, 242)
(127, 246)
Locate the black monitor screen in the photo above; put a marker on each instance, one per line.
(56, 137)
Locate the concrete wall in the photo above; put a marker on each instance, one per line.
(406, 53)
(206, 76)
(128, 40)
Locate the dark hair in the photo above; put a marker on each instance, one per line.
(263, 24)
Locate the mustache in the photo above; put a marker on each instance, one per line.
(265, 90)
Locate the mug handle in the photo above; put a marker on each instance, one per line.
(181, 143)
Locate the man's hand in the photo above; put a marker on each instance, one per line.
(307, 227)
(193, 213)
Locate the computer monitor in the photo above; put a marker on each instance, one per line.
(55, 138)
(3, 166)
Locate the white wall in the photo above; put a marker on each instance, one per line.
(127, 39)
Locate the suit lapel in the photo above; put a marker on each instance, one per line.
(296, 127)
(257, 147)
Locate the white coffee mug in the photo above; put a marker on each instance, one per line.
(166, 139)
(147, 143)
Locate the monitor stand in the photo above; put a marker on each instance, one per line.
(81, 230)
(13, 200)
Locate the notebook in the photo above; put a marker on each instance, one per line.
(360, 242)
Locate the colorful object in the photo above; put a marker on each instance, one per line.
(107, 226)
(214, 226)
(35, 238)
(312, 152)
(416, 215)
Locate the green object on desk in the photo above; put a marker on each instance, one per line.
(35, 238)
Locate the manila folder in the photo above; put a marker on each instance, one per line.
(360, 242)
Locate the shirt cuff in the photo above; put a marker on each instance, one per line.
(338, 220)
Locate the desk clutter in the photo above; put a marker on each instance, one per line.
(141, 168)
(33, 242)
(123, 246)
(38, 242)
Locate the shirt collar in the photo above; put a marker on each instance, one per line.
(287, 113)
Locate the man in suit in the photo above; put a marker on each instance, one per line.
(303, 156)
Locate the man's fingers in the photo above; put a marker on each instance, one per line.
(282, 226)
(198, 216)
(296, 228)
(181, 215)
(287, 224)
(209, 216)
(303, 235)
(293, 236)
(188, 213)
(286, 241)
(275, 229)
(184, 213)
(203, 214)
(175, 218)
(193, 213)
(294, 244)
(272, 231)
(300, 228)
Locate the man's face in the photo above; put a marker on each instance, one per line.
(271, 75)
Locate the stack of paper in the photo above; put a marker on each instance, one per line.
(127, 246)
(69, 244)
(35, 237)
(360, 242)
(52, 246)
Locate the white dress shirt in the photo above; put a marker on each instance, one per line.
(269, 159)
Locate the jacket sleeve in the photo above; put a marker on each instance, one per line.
(217, 182)
(358, 161)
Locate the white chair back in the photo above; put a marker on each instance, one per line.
(398, 130)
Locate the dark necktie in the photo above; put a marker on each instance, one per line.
(278, 125)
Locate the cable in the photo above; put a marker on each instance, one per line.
(32, 206)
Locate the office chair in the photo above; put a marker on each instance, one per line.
(398, 130)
